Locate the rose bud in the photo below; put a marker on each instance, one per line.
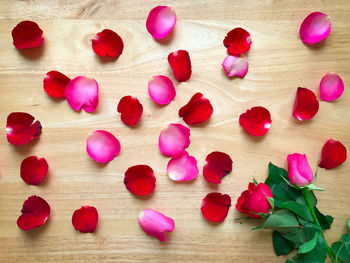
(299, 171)
(254, 201)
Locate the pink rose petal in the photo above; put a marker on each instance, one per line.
(235, 66)
(160, 21)
(174, 139)
(82, 92)
(182, 167)
(161, 89)
(155, 223)
(102, 146)
(331, 87)
(315, 28)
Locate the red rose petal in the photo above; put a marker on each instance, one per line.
(140, 180)
(20, 128)
(256, 121)
(217, 165)
(215, 207)
(333, 154)
(305, 104)
(180, 63)
(55, 84)
(35, 212)
(197, 110)
(85, 219)
(107, 43)
(34, 170)
(131, 110)
(27, 34)
(237, 41)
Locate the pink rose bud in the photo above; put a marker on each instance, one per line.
(299, 171)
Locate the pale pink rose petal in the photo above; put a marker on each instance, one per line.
(331, 87)
(182, 167)
(174, 139)
(315, 28)
(155, 223)
(82, 92)
(102, 146)
(235, 66)
(161, 89)
(160, 21)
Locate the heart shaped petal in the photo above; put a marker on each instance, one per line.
(102, 146)
(140, 180)
(33, 170)
(315, 28)
(82, 92)
(85, 219)
(333, 154)
(256, 121)
(235, 66)
(55, 84)
(161, 89)
(331, 87)
(155, 223)
(180, 63)
(217, 165)
(35, 212)
(131, 110)
(197, 110)
(182, 167)
(305, 105)
(215, 207)
(107, 43)
(237, 41)
(21, 128)
(174, 139)
(160, 21)
(27, 34)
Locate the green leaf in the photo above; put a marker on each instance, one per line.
(314, 187)
(271, 201)
(281, 219)
(255, 181)
(341, 249)
(295, 235)
(349, 223)
(309, 245)
(281, 245)
(325, 220)
(297, 208)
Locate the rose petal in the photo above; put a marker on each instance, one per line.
(85, 219)
(107, 43)
(197, 110)
(217, 165)
(35, 212)
(27, 34)
(305, 104)
(140, 180)
(34, 170)
(235, 66)
(20, 128)
(215, 207)
(82, 92)
(180, 63)
(174, 139)
(315, 27)
(182, 167)
(237, 41)
(331, 87)
(161, 89)
(102, 146)
(155, 223)
(55, 84)
(256, 121)
(131, 110)
(333, 154)
(160, 21)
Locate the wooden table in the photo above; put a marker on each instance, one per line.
(278, 64)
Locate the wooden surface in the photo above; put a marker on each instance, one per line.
(278, 64)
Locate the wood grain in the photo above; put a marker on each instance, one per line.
(278, 64)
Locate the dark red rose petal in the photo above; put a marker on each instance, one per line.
(131, 110)
(305, 104)
(197, 110)
(256, 121)
(34, 170)
(85, 219)
(333, 154)
(107, 43)
(20, 128)
(237, 41)
(180, 63)
(217, 165)
(140, 180)
(27, 34)
(55, 84)
(215, 207)
(35, 212)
